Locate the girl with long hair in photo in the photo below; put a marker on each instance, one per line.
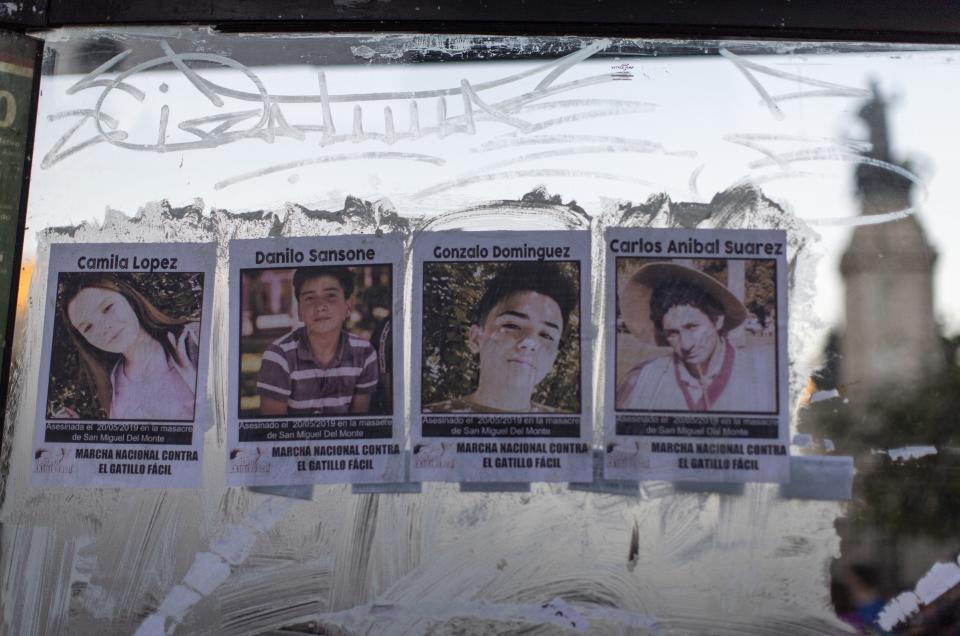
(139, 362)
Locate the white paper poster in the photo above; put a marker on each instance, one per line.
(124, 365)
(501, 365)
(696, 355)
(315, 360)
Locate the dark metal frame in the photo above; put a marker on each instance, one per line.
(862, 20)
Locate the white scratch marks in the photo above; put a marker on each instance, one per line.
(88, 81)
(162, 133)
(55, 155)
(829, 154)
(191, 75)
(840, 151)
(362, 156)
(570, 60)
(761, 143)
(515, 174)
(563, 152)
(864, 219)
(328, 126)
(692, 182)
(829, 89)
(640, 145)
(471, 97)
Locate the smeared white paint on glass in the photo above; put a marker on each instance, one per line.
(898, 610)
(207, 573)
(941, 578)
(819, 396)
(909, 452)
(234, 544)
(802, 440)
(177, 603)
(154, 625)
(827, 477)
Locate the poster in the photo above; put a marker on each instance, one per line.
(696, 355)
(124, 365)
(315, 361)
(502, 356)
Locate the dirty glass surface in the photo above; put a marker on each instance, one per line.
(173, 135)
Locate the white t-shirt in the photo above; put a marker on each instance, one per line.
(161, 395)
(745, 383)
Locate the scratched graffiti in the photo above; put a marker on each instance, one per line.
(268, 121)
(555, 121)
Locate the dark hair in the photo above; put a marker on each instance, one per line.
(96, 363)
(341, 274)
(528, 276)
(674, 293)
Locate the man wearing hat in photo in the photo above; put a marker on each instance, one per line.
(691, 312)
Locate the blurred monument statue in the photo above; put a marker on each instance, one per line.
(891, 343)
(900, 389)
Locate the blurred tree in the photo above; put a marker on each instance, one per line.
(887, 494)
(761, 288)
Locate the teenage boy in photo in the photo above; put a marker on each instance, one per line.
(692, 313)
(516, 336)
(319, 368)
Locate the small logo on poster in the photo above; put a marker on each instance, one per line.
(243, 461)
(622, 71)
(427, 456)
(626, 457)
(52, 460)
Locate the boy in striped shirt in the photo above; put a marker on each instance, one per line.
(319, 368)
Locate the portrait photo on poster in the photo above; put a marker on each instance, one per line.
(125, 346)
(696, 336)
(501, 337)
(316, 341)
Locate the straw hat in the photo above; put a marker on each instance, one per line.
(635, 297)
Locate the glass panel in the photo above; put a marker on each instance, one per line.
(175, 135)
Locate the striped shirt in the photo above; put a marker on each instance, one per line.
(290, 373)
